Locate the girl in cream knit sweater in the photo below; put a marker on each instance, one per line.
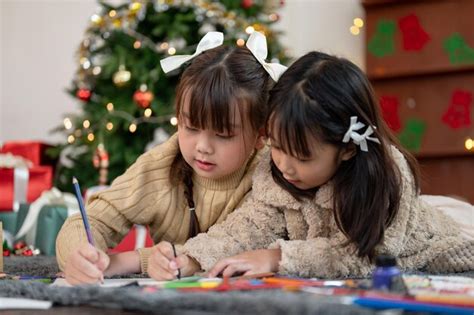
(192, 181)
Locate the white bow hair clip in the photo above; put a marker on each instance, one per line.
(257, 44)
(209, 41)
(359, 139)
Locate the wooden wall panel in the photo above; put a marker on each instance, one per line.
(423, 82)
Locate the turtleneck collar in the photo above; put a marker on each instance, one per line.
(227, 182)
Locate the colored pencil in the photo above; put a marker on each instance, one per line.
(87, 227)
(90, 239)
(174, 253)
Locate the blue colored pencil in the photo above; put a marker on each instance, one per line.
(77, 190)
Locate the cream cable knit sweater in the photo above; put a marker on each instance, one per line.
(420, 236)
(144, 195)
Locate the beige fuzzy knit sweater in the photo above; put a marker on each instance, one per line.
(421, 237)
(144, 195)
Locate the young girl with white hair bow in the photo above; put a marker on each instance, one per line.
(195, 179)
(335, 191)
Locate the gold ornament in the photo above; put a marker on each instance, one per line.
(117, 23)
(135, 7)
(122, 76)
(97, 20)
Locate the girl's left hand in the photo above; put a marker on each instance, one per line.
(247, 263)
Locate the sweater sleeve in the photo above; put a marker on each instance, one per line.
(254, 225)
(106, 233)
(131, 199)
(319, 257)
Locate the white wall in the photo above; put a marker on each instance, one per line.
(323, 25)
(38, 43)
(38, 40)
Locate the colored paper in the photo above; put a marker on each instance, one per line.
(458, 50)
(414, 37)
(411, 136)
(382, 42)
(389, 105)
(458, 113)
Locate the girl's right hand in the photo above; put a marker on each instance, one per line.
(86, 265)
(162, 265)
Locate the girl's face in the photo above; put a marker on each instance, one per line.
(211, 154)
(311, 172)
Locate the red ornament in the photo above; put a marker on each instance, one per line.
(143, 98)
(246, 4)
(458, 113)
(389, 105)
(84, 94)
(27, 252)
(414, 36)
(6, 252)
(100, 160)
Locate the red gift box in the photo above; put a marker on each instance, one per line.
(40, 179)
(31, 150)
(129, 242)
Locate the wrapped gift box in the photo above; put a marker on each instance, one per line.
(133, 240)
(40, 179)
(40, 176)
(30, 150)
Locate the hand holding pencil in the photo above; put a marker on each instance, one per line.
(165, 263)
(86, 263)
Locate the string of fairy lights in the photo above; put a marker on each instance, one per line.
(126, 19)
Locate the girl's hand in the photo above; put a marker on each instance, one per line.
(162, 265)
(86, 265)
(247, 263)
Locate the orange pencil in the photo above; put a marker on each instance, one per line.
(452, 299)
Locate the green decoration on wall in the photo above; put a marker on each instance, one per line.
(458, 50)
(411, 136)
(383, 42)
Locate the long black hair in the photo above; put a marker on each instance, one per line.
(315, 99)
(217, 83)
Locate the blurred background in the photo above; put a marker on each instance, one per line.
(81, 84)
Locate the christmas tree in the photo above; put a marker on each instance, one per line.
(126, 99)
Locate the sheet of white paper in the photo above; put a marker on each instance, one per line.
(115, 282)
(15, 303)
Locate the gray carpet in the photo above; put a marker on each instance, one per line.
(166, 301)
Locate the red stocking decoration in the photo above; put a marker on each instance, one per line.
(389, 105)
(458, 113)
(414, 36)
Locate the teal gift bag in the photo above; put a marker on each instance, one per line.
(12, 221)
(8, 219)
(50, 220)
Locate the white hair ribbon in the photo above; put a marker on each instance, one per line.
(209, 41)
(257, 44)
(359, 139)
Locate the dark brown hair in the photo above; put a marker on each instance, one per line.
(218, 83)
(314, 99)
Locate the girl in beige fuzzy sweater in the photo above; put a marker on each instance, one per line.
(335, 192)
